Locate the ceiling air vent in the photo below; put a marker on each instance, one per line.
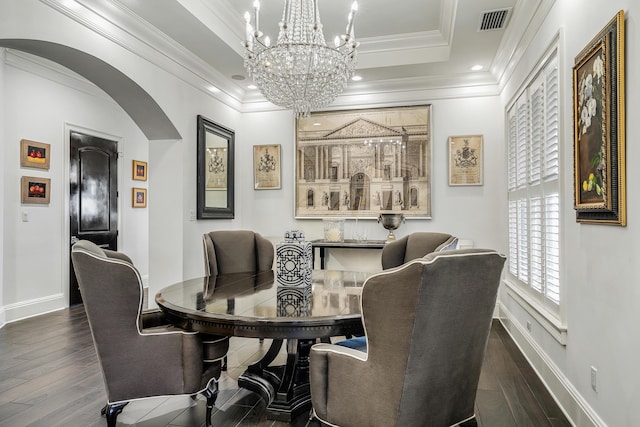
(494, 19)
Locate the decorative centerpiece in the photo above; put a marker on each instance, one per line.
(390, 222)
(294, 260)
(293, 301)
(333, 230)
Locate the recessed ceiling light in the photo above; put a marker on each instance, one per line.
(213, 89)
(238, 77)
(477, 67)
(317, 124)
(252, 87)
(356, 78)
(72, 4)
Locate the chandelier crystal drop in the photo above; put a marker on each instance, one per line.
(299, 71)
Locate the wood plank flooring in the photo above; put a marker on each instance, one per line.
(49, 376)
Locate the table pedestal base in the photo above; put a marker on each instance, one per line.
(284, 388)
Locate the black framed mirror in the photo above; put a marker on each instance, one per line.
(215, 170)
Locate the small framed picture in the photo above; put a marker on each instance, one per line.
(465, 160)
(266, 167)
(139, 197)
(34, 154)
(35, 190)
(139, 170)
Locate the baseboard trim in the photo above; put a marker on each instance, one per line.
(35, 307)
(3, 317)
(571, 402)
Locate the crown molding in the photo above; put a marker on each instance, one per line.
(117, 23)
(518, 36)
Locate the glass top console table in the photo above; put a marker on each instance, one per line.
(323, 245)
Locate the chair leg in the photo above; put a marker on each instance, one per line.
(470, 423)
(211, 393)
(111, 411)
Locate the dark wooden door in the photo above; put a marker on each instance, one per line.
(93, 196)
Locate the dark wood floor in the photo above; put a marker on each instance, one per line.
(49, 376)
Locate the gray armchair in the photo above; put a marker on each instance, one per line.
(415, 245)
(139, 354)
(236, 251)
(422, 368)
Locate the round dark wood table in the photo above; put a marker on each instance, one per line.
(254, 305)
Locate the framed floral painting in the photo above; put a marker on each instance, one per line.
(599, 134)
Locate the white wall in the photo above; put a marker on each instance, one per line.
(2, 159)
(467, 212)
(40, 105)
(599, 279)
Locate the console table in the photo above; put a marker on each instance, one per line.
(323, 245)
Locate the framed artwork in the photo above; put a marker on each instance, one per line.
(266, 167)
(139, 197)
(466, 158)
(35, 190)
(599, 128)
(139, 170)
(34, 154)
(360, 163)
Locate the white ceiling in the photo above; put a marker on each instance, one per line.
(404, 44)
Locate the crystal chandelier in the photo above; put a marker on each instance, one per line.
(300, 71)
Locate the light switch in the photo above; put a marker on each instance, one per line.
(25, 216)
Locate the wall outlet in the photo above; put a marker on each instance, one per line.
(594, 374)
(192, 215)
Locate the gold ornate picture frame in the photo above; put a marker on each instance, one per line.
(267, 167)
(138, 197)
(466, 159)
(139, 170)
(599, 128)
(360, 163)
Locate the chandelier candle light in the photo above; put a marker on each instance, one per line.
(300, 71)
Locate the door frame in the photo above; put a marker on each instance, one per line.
(66, 229)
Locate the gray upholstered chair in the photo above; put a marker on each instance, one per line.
(139, 361)
(422, 368)
(415, 245)
(236, 251)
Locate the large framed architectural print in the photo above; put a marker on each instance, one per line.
(360, 163)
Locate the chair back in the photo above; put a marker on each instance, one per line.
(112, 293)
(415, 245)
(236, 251)
(427, 325)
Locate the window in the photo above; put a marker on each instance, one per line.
(534, 187)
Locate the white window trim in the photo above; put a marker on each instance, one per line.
(553, 321)
(548, 320)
